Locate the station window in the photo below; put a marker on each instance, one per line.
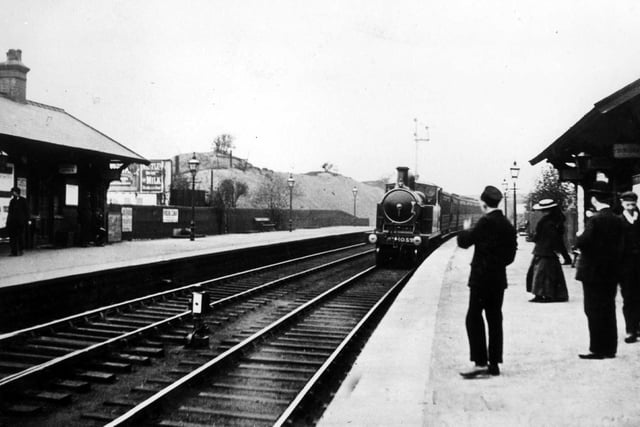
(71, 195)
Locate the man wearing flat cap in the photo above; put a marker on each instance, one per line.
(630, 267)
(495, 244)
(601, 246)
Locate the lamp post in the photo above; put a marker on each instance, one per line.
(193, 168)
(515, 171)
(290, 183)
(354, 190)
(505, 187)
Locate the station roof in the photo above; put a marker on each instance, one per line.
(614, 119)
(51, 125)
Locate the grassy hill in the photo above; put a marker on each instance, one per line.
(313, 190)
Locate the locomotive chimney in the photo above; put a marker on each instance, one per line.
(13, 77)
(403, 176)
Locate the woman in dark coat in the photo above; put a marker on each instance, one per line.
(545, 279)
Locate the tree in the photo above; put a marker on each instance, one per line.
(181, 182)
(273, 193)
(327, 166)
(223, 143)
(549, 186)
(230, 191)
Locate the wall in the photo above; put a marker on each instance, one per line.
(148, 220)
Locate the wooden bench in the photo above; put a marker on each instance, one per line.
(264, 224)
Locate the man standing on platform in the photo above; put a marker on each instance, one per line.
(495, 247)
(17, 219)
(630, 271)
(601, 245)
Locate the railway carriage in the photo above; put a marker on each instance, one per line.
(412, 216)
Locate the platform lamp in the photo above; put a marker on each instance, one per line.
(193, 168)
(354, 190)
(290, 183)
(505, 187)
(515, 171)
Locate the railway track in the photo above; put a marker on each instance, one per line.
(273, 376)
(54, 362)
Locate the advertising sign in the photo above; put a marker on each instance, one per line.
(127, 220)
(6, 177)
(151, 180)
(170, 215)
(4, 210)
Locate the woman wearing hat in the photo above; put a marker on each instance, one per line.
(545, 279)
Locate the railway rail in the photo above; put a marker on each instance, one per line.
(55, 362)
(268, 378)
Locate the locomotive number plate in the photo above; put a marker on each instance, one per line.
(400, 239)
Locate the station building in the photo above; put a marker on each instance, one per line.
(603, 145)
(62, 165)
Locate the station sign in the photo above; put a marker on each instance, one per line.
(68, 169)
(626, 151)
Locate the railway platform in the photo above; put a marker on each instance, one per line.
(408, 372)
(42, 264)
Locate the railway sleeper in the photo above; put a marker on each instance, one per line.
(275, 368)
(146, 351)
(111, 366)
(96, 376)
(49, 396)
(73, 385)
(23, 409)
(130, 358)
(304, 346)
(316, 334)
(323, 354)
(25, 357)
(226, 414)
(255, 389)
(243, 397)
(105, 333)
(267, 359)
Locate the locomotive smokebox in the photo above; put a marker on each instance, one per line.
(403, 175)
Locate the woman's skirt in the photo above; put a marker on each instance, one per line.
(545, 279)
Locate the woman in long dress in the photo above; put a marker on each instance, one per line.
(545, 279)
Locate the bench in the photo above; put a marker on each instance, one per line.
(264, 224)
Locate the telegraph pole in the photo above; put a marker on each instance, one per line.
(417, 140)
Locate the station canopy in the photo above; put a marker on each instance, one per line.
(611, 130)
(42, 125)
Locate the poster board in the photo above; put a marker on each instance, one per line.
(127, 219)
(170, 216)
(114, 227)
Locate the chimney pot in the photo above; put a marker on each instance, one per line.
(13, 77)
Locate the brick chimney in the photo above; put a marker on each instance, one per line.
(13, 77)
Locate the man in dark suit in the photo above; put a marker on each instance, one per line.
(630, 267)
(495, 247)
(601, 246)
(17, 219)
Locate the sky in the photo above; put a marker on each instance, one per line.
(299, 84)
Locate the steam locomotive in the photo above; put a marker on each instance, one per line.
(412, 216)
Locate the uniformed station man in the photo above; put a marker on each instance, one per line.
(495, 244)
(630, 267)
